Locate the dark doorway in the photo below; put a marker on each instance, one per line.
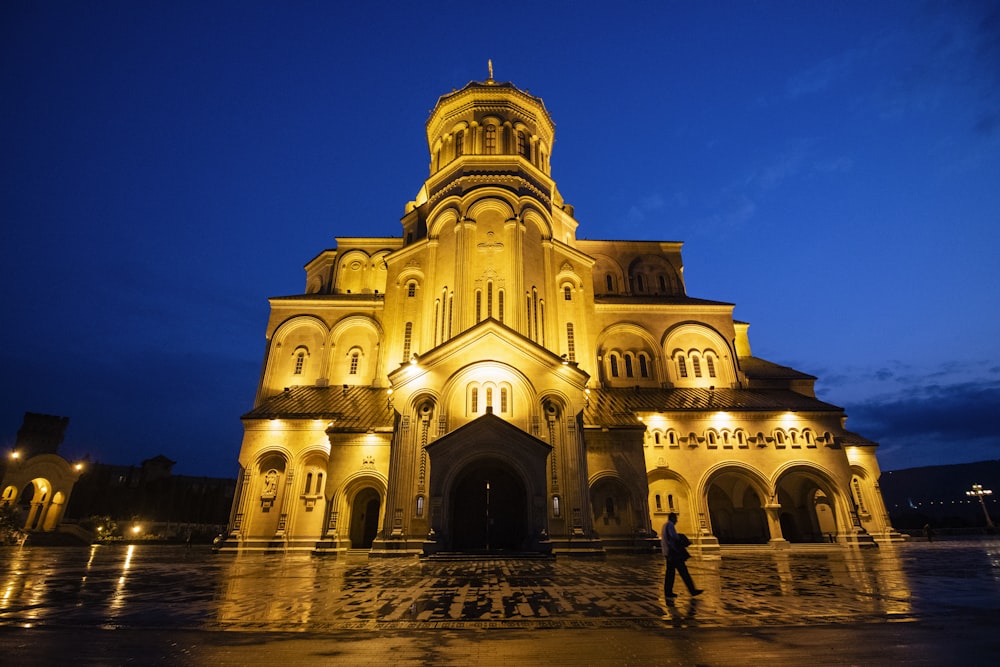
(364, 519)
(488, 510)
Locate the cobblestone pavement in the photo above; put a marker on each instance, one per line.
(236, 607)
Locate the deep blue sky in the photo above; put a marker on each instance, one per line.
(832, 167)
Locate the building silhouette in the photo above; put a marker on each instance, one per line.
(489, 382)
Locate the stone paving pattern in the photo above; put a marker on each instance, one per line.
(153, 586)
(158, 589)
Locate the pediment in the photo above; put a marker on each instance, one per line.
(489, 341)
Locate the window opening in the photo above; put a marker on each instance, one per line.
(570, 342)
(614, 365)
(407, 340)
(490, 142)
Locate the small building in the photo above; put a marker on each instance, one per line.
(36, 480)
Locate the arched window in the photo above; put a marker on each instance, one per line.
(643, 366)
(567, 293)
(658, 503)
(663, 284)
(474, 401)
(355, 357)
(656, 438)
(420, 505)
(570, 342)
(300, 360)
(640, 284)
(614, 365)
(407, 341)
(489, 398)
(711, 438)
(444, 315)
(504, 402)
(437, 318)
(451, 313)
(555, 506)
(671, 438)
(711, 366)
(489, 298)
(500, 305)
(779, 438)
(682, 366)
(523, 147)
(628, 366)
(479, 306)
(490, 140)
(740, 438)
(696, 363)
(459, 142)
(309, 481)
(610, 282)
(411, 289)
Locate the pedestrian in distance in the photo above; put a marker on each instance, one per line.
(674, 546)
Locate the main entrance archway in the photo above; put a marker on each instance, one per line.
(488, 510)
(509, 514)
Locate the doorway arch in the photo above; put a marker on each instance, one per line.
(488, 508)
(364, 518)
(736, 508)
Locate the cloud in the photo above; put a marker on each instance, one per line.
(932, 424)
(822, 76)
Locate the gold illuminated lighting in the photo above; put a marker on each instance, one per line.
(78, 466)
(722, 418)
(15, 455)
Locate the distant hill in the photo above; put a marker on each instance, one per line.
(936, 495)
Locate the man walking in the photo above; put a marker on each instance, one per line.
(675, 551)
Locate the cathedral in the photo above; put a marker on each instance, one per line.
(487, 382)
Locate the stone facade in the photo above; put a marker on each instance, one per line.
(488, 382)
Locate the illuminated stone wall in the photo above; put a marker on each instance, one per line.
(488, 352)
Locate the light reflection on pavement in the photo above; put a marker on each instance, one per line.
(157, 587)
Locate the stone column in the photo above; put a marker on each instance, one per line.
(773, 512)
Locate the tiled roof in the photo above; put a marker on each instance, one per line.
(353, 408)
(664, 299)
(762, 369)
(618, 407)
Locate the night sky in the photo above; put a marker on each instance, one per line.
(833, 169)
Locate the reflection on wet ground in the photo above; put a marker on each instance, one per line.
(154, 586)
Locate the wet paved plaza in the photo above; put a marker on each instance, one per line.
(154, 604)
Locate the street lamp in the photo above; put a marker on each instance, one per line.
(978, 491)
